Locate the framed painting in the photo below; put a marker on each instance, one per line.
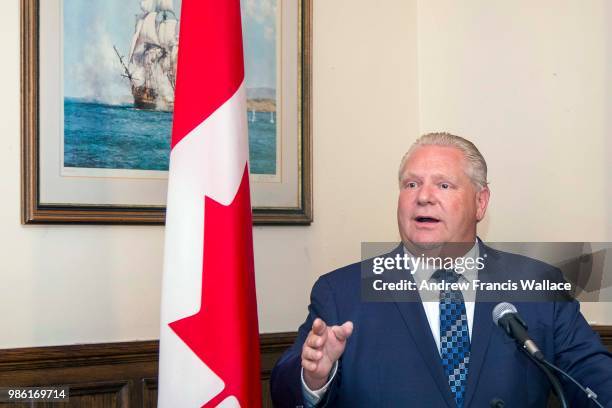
(97, 94)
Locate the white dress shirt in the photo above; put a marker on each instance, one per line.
(432, 311)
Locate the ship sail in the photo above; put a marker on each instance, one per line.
(145, 38)
(167, 33)
(135, 38)
(148, 32)
(148, 6)
(165, 5)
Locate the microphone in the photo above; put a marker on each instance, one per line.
(506, 316)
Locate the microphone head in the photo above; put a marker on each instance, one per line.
(502, 309)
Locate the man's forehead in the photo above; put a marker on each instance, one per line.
(447, 156)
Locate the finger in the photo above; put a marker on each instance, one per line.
(344, 331)
(311, 354)
(319, 326)
(314, 341)
(309, 365)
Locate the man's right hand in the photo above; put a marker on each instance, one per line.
(322, 348)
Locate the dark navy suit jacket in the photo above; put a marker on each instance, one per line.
(391, 359)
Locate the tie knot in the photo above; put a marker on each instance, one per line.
(446, 275)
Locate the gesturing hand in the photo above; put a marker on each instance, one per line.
(322, 348)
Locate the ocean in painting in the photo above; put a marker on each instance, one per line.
(105, 136)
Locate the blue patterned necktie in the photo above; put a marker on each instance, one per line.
(454, 336)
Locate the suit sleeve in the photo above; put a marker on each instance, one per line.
(579, 351)
(285, 381)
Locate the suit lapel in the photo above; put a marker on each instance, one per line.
(482, 325)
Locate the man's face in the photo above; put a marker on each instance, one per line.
(438, 203)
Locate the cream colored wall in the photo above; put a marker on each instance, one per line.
(365, 105)
(530, 84)
(86, 284)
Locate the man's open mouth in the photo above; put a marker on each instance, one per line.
(428, 220)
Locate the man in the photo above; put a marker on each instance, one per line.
(442, 352)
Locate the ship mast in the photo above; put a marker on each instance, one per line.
(127, 74)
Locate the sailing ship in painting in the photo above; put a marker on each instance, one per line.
(151, 62)
(118, 116)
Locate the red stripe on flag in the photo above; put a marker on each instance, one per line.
(210, 61)
(224, 332)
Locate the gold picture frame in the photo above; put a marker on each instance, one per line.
(36, 211)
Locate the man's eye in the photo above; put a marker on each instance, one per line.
(444, 186)
(411, 184)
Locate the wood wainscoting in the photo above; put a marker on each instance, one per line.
(122, 374)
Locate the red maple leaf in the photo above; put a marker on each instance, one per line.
(224, 333)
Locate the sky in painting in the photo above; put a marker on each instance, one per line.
(259, 32)
(91, 28)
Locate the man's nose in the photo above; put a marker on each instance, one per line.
(426, 195)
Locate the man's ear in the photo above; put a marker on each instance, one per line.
(482, 201)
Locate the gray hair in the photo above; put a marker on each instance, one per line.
(477, 166)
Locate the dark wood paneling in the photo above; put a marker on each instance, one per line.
(99, 375)
(149, 392)
(272, 347)
(99, 394)
(122, 374)
(105, 394)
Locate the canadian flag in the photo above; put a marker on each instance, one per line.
(209, 344)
